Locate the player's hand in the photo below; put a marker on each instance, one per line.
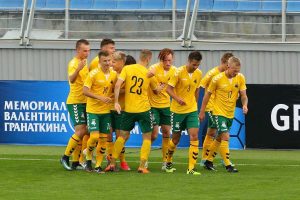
(105, 99)
(245, 110)
(201, 116)
(81, 64)
(180, 101)
(118, 108)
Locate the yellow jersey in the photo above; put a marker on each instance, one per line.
(121, 98)
(226, 93)
(136, 88)
(205, 83)
(161, 100)
(102, 85)
(76, 89)
(94, 63)
(185, 85)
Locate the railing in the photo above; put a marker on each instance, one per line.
(224, 20)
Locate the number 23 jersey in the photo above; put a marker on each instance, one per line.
(136, 88)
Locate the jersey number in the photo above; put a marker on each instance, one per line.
(139, 82)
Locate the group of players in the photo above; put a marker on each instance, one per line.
(115, 91)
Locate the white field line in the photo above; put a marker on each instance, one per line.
(177, 163)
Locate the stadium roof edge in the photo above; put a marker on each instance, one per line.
(157, 44)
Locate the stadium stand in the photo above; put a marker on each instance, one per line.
(104, 4)
(204, 5)
(251, 5)
(130, 4)
(221, 5)
(271, 6)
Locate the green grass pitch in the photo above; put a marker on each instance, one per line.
(34, 172)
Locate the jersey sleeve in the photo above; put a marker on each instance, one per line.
(213, 85)
(123, 74)
(243, 83)
(174, 79)
(205, 81)
(71, 68)
(88, 81)
(200, 79)
(153, 83)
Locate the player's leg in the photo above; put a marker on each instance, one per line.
(94, 130)
(83, 149)
(177, 121)
(224, 147)
(127, 124)
(77, 114)
(165, 122)
(145, 121)
(192, 124)
(209, 137)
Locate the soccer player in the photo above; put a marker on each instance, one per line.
(105, 45)
(119, 59)
(98, 87)
(212, 129)
(160, 102)
(226, 87)
(183, 87)
(76, 102)
(137, 108)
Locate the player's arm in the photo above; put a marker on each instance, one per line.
(204, 104)
(170, 91)
(244, 99)
(73, 76)
(117, 93)
(87, 92)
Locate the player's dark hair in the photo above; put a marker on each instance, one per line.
(106, 41)
(130, 60)
(226, 57)
(80, 42)
(164, 53)
(195, 55)
(103, 53)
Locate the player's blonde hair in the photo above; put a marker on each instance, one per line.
(234, 61)
(119, 55)
(144, 54)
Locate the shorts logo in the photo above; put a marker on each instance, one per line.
(93, 122)
(177, 125)
(224, 125)
(108, 126)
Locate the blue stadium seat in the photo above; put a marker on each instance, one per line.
(206, 5)
(152, 4)
(104, 4)
(129, 4)
(293, 6)
(271, 6)
(11, 4)
(180, 5)
(225, 5)
(81, 4)
(55, 4)
(39, 4)
(251, 5)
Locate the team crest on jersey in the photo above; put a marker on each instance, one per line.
(195, 81)
(236, 85)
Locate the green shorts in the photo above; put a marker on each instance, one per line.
(223, 123)
(211, 120)
(144, 119)
(77, 113)
(161, 116)
(181, 122)
(99, 122)
(116, 120)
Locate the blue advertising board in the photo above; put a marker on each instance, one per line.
(35, 113)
